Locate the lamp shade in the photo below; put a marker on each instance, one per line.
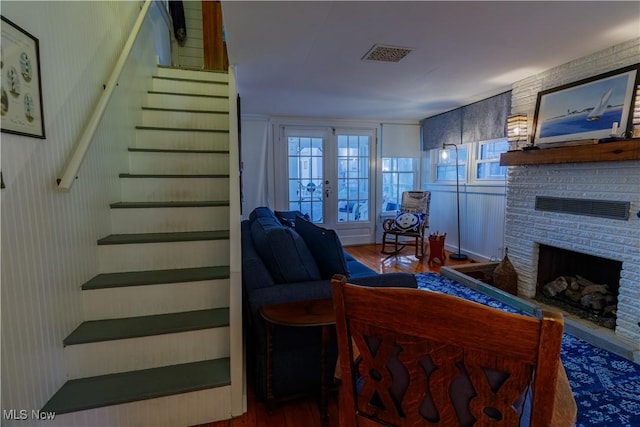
(516, 129)
(635, 132)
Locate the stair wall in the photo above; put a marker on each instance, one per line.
(237, 349)
(48, 237)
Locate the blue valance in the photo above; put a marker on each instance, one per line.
(480, 121)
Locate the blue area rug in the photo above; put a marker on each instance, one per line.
(606, 386)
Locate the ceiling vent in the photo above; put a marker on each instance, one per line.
(386, 53)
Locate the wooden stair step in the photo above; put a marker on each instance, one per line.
(182, 236)
(160, 175)
(200, 95)
(193, 73)
(185, 110)
(181, 129)
(155, 277)
(144, 326)
(145, 205)
(190, 80)
(104, 390)
(175, 150)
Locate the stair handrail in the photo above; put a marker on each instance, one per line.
(73, 165)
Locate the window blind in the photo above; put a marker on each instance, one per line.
(400, 140)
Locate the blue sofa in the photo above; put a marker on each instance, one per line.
(287, 258)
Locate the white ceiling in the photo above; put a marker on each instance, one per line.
(303, 58)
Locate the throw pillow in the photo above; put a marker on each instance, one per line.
(325, 246)
(408, 221)
(261, 212)
(283, 251)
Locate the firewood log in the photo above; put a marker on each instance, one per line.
(584, 281)
(573, 284)
(590, 289)
(587, 300)
(554, 287)
(573, 295)
(597, 304)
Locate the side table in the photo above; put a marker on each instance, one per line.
(302, 314)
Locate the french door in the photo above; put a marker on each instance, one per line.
(329, 177)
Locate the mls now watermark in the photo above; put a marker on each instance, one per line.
(24, 414)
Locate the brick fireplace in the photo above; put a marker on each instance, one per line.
(617, 239)
(597, 176)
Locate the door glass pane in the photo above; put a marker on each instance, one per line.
(353, 178)
(306, 176)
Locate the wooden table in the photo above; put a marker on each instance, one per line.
(302, 314)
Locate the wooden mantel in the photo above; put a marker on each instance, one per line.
(628, 149)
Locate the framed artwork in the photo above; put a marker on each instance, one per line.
(21, 98)
(586, 110)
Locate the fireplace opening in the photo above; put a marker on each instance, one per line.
(580, 284)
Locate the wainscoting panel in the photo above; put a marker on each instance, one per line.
(49, 237)
(481, 219)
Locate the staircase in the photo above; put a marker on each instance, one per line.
(155, 345)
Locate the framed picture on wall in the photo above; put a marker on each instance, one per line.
(586, 110)
(21, 98)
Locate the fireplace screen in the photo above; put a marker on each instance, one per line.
(581, 284)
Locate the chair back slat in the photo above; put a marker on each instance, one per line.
(429, 359)
(416, 201)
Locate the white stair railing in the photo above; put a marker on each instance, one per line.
(73, 165)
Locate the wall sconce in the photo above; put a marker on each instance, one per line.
(635, 131)
(516, 130)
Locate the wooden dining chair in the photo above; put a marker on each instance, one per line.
(412, 357)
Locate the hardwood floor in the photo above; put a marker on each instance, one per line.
(304, 412)
(405, 261)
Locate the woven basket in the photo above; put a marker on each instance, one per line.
(505, 277)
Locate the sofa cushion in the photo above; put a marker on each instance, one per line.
(261, 212)
(283, 251)
(325, 246)
(387, 280)
(288, 218)
(358, 269)
(255, 274)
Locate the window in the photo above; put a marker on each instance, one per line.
(488, 159)
(479, 163)
(353, 177)
(398, 175)
(446, 164)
